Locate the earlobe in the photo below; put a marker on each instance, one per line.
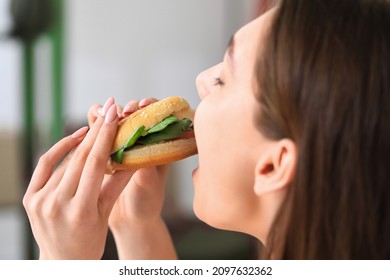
(275, 169)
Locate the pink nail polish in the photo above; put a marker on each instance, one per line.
(80, 132)
(107, 105)
(111, 114)
(129, 109)
(144, 102)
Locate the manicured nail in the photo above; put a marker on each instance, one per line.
(107, 105)
(144, 102)
(80, 132)
(129, 109)
(111, 114)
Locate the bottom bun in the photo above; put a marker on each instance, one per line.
(156, 154)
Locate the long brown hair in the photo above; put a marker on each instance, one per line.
(324, 82)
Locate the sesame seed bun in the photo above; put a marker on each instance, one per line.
(158, 153)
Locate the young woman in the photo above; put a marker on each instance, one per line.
(299, 115)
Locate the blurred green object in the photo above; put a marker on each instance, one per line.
(28, 139)
(58, 65)
(30, 20)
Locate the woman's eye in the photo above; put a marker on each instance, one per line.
(218, 82)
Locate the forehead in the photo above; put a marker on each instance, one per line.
(249, 38)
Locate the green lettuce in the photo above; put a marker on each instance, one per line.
(169, 128)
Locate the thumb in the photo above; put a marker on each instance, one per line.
(93, 114)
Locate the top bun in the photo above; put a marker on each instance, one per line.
(150, 116)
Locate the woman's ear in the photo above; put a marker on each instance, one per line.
(276, 167)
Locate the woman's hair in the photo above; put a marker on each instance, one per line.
(323, 80)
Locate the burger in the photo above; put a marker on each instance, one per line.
(158, 134)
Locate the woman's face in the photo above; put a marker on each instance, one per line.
(228, 141)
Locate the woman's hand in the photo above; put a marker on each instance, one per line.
(143, 199)
(69, 207)
(135, 220)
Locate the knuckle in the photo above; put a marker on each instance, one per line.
(119, 108)
(96, 160)
(26, 201)
(44, 159)
(81, 154)
(44, 208)
(93, 113)
(52, 210)
(81, 216)
(33, 205)
(93, 110)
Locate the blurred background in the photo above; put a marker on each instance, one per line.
(58, 57)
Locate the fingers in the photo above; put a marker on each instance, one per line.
(147, 101)
(95, 166)
(48, 161)
(74, 170)
(84, 168)
(119, 109)
(73, 173)
(59, 171)
(131, 107)
(135, 105)
(93, 113)
(96, 110)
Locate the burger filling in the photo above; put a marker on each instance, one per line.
(168, 129)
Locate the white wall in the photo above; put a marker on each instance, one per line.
(140, 48)
(134, 49)
(10, 69)
(128, 49)
(123, 48)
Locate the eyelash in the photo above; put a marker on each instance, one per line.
(218, 82)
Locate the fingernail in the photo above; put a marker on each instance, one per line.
(107, 105)
(111, 114)
(144, 102)
(80, 132)
(129, 109)
(99, 110)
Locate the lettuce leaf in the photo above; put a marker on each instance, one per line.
(118, 155)
(163, 124)
(171, 131)
(169, 128)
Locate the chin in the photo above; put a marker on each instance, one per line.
(210, 217)
(200, 212)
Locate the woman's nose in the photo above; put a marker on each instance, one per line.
(206, 80)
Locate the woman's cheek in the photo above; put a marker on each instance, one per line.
(206, 177)
(203, 126)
